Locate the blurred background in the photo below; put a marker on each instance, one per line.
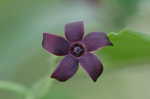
(25, 66)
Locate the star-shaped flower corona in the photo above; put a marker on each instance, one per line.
(76, 50)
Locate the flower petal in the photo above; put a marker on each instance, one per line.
(66, 69)
(96, 40)
(92, 65)
(55, 44)
(74, 31)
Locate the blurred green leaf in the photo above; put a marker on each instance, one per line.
(128, 46)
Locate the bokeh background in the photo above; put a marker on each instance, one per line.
(25, 67)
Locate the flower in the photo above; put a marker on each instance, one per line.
(76, 49)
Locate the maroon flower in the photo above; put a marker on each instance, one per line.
(76, 49)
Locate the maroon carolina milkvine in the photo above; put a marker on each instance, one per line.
(76, 48)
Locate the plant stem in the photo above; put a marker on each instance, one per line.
(10, 86)
(42, 86)
(38, 90)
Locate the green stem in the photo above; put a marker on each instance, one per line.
(38, 90)
(42, 87)
(10, 86)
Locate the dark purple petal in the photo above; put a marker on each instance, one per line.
(55, 44)
(96, 40)
(74, 31)
(66, 69)
(92, 65)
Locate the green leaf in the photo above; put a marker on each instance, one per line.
(128, 46)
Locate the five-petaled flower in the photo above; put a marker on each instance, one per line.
(76, 49)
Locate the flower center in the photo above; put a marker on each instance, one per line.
(77, 50)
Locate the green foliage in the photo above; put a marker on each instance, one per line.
(14, 87)
(38, 90)
(128, 46)
(23, 60)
